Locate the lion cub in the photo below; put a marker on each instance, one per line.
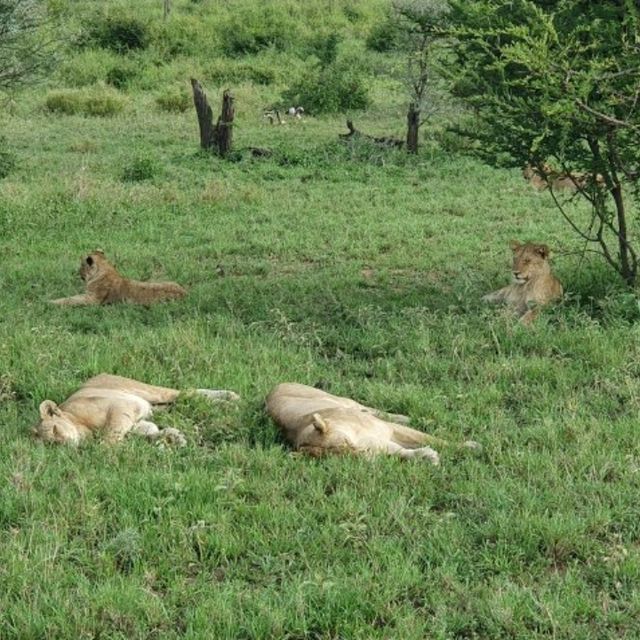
(534, 285)
(317, 423)
(105, 285)
(114, 406)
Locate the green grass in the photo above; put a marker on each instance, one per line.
(356, 269)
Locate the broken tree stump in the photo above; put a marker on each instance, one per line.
(216, 138)
(384, 141)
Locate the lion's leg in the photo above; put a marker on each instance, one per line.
(117, 427)
(423, 453)
(153, 432)
(529, 316)
(214, 395)
(496, 296)
(398, 418)
(75, 301)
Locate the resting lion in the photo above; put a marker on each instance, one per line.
(534, 285)
(545, 177)
(105, 285)
(318, 423)
(113, 406)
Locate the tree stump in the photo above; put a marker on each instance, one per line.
(413, 124)
(216, 138)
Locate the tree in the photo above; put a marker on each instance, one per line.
(556, 84)
(27, 41)
(421, 24)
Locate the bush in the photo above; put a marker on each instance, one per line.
(338, 87)
(325, 48)
(122, 73)
(139, 169)
(119, 32)
(255, 29)
(94, 102)
(384, 36)
(7, 159)
(175, 100)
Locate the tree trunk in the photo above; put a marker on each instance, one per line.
(628, 263)
(220, 136)
(413, 122)
(167, 8)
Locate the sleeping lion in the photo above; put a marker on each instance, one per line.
(105, 285)
(318, 423)
(113, 406)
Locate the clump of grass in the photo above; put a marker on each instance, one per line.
(98, 101)
(174, 100)
(140, 168)
(7, 159)
(122, 73)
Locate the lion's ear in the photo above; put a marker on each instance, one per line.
(48, 409)
(514, 244)
(542, 250)
(319, 423)
(89, 260)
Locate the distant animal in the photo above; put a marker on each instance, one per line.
(317, 423)
(296, 112)
(112, 406)
(534, 285)
(104, 285)
(545, 177)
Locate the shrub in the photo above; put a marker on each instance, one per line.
(95, 102)
(384, 36)
(255, 29)
(122, 73)
(325, 48)
(7, 159)
(174, 100)
(140, 168)
(340, 86)
(119, 32)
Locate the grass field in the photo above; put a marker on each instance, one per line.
(353, 268)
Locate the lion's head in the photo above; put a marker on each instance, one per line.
(529, 260)
(91, 264)
(323, 436)
(54, 426)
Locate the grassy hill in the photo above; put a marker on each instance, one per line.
(352, 267)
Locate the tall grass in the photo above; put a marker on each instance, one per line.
(357, 269)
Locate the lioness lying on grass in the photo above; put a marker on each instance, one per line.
(534, 285)
(104, 285)
(113, 406)
(318, 423)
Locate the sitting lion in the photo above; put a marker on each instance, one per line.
(105, 285)
(317, 423)
(114, 406)
(534, 285)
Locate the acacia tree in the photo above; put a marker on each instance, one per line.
(556, 83)
(421, 25)
(27, 41)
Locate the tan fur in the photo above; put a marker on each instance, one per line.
(104, 285)
(546, 177)
(318, 423)
(534, 285)
(114, 406)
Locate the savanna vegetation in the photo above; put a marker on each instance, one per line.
(351, 266)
